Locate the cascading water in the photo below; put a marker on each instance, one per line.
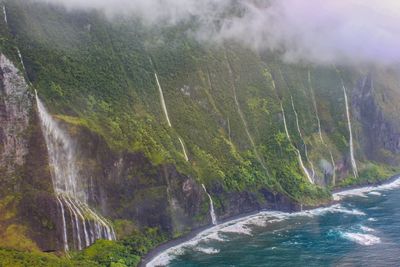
(302, 139)
(212, 211)
(5, 14)
(306, 172)
(70, 189)
(183, 149)
(164, 107)
(353, 161)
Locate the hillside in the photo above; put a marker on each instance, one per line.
(155, 114)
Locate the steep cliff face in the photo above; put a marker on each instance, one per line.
(376, 112)
(155, 115)
(27, 209)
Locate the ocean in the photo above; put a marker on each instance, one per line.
(362, 230)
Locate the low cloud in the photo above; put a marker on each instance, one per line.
(315, 31)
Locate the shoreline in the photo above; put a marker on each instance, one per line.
(152, 254)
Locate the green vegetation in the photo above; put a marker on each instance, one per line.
(124, 253)
(98, 75)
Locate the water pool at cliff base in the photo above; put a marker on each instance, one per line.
(363, 230)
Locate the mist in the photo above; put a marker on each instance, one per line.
(311, 31)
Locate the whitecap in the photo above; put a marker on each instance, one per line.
(362, 239)
(366, 229)
(372, 219)
(243, 226)
(207, 250)
(368, 189)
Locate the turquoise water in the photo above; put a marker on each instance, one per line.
(364, 230)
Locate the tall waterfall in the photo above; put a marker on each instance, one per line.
(70, 188)
(164, 107)
(301, 163)
(353, 161)
(5, 14)
(302, 139)
(212, 211)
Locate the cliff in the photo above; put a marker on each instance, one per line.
(154, 114)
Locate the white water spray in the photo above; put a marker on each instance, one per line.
(70, 188)
(306, 172)
(212, 211)
(353, 161)
(302, 139)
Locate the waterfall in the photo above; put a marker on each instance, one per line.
(302, 139)
(301, 163)
(212, 212)
(164, 107)
(353, 161)
(315, 106)
(5, 14)
(183, 149)
(334, 169)
(21, 60)
(70, 188)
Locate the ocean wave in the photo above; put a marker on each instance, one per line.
(244, 226)
(362, 239)
(368, 189)
(207, 250)
(366, 229)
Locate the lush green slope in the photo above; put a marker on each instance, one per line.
(98, 77)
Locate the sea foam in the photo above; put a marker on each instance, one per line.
(362, 239)
(368, 189)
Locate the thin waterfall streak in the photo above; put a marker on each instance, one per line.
(306, 172)
(71, 216)
(334, 169)
(163, 105)
(5, 14)
(302, 139)
(212, 210)
(78, 232)
(64, 224)
(183, 149)
(165, 110)
(353, 161)
(78, 211)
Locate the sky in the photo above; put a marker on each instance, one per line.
(315, 31)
